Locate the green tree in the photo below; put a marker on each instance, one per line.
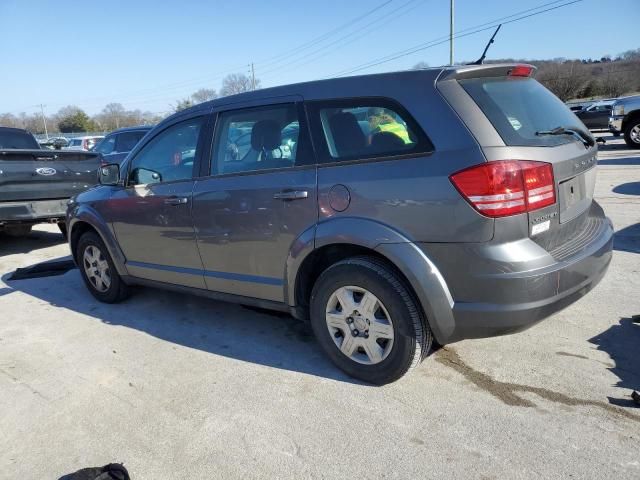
(75, 120)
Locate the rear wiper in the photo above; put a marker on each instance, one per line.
(581, 135)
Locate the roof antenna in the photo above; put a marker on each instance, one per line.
(480, 61)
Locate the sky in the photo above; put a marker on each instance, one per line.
(149, 54)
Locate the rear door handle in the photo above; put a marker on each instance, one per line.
(176, 201)
(291, 195)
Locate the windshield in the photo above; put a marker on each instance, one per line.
(520, 107)
(17, 139)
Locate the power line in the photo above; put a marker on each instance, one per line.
(326, 35)
(368, 28)
(160, 93)
(460, 34)
(176, 86)
(385, 19)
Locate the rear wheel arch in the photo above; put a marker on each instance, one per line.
(322, 258)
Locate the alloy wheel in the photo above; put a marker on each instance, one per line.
(359, 325)
(96, 268)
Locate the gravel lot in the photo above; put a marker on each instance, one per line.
(184, 387)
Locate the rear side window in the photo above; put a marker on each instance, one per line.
(366, 128)
(519, 107)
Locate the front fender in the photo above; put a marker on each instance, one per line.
(422, 274)
(84, 213)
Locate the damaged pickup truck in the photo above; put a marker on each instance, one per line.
(35, 184)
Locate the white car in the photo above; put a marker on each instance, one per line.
(83, 143)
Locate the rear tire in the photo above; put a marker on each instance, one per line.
(632, 133)
(18, 230)
(379, 334)
(98, 270)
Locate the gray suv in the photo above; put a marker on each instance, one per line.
(389, 210)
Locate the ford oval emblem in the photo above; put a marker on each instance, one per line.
(46, 171)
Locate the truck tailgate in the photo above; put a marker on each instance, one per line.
(45, 174)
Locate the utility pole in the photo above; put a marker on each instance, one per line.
(44, 120)
(451, 15)
(253, 77)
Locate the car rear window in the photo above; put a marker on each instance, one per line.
(15, 139)
(520, 107)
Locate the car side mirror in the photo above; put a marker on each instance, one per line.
(109, 174)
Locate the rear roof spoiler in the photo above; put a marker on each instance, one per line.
(482, 71)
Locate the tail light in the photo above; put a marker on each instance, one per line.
(507, 187)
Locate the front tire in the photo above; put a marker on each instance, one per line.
(632, 133)
(367, 321)
(98, 270)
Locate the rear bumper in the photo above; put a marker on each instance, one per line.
(615, 124)
(492, 298)
(34, 211)
(561, 287)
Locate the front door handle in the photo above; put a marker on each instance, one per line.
(291, 195)
(176, 201)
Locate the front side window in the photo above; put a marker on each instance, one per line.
(169, 156)
(106, 146)
(367, 129)
(258, 139)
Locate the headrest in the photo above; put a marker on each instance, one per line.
(347, 134)
(266, 134)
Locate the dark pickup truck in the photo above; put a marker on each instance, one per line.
(35, 183)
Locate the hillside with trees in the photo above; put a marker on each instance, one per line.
(572, 79)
